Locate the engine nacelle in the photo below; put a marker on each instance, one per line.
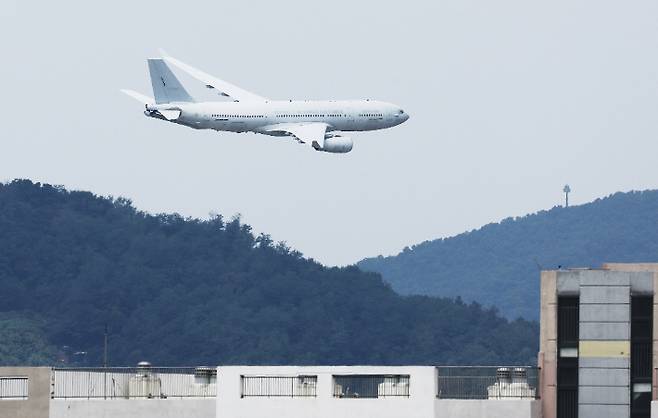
(337, 144)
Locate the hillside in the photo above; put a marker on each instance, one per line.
(179, 291)
(499, 263)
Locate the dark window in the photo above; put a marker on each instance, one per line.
(567, 362)
(371, 386)
(641, 356)
(568, 322)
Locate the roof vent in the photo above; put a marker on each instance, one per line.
(205, 375)
(519, 375)
(504, 375)
(145, 384)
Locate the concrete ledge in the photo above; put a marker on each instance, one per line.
(605, 294)
(604, 349)
(604, 363)
(513, 408)
(603, 395)
(604, 278)
(604, 377)
(605, 331)
(133, 408)
(600, 312)
(603, 411)
(634, 267)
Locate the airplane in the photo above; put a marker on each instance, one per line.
(318, 123)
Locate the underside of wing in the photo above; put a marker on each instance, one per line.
(223, 87)
(313, 133)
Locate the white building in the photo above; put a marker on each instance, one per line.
(264, 391)
(362, 391)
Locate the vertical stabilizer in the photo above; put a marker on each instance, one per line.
(166, 87)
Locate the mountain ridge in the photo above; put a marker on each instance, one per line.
(499, 263)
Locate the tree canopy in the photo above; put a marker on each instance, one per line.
(182, 291)
(23, 340)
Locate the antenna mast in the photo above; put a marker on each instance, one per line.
(105, 347)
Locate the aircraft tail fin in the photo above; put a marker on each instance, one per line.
(166, 87)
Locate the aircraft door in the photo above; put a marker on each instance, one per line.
(204, 119)
(350, 120)
(238, 126)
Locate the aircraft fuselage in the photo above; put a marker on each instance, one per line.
(339, 115)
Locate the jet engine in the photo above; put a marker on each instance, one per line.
(337, 144)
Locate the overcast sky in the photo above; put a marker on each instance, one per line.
(509, 100)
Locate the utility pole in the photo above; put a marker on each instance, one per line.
(105, 347)
(566, 191)
(105, 362)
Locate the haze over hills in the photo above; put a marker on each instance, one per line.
(179, 291)
(499, 263)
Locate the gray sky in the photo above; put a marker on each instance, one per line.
(509, 100)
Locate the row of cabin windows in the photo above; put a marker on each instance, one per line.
(237, 116)
(309, 116)
(278, 116)
(295, 116)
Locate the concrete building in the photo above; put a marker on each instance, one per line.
(597, 341)
(597, 359)
(116, 392)
(366, 391)
(281, 391)
(24, 392)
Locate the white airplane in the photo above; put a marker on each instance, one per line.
(318, 123)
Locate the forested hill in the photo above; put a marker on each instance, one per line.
(179, 291)
(499, 264)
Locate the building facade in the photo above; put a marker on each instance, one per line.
(282, 391)
(597, 340)
(597, 359)
(372, 391)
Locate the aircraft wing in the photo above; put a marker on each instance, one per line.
(303, 132)
(225, 88)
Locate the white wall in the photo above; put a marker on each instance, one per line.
(513, 408)
(421, 403)
(133, 408)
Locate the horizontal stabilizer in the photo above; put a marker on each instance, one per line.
(138, 96)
